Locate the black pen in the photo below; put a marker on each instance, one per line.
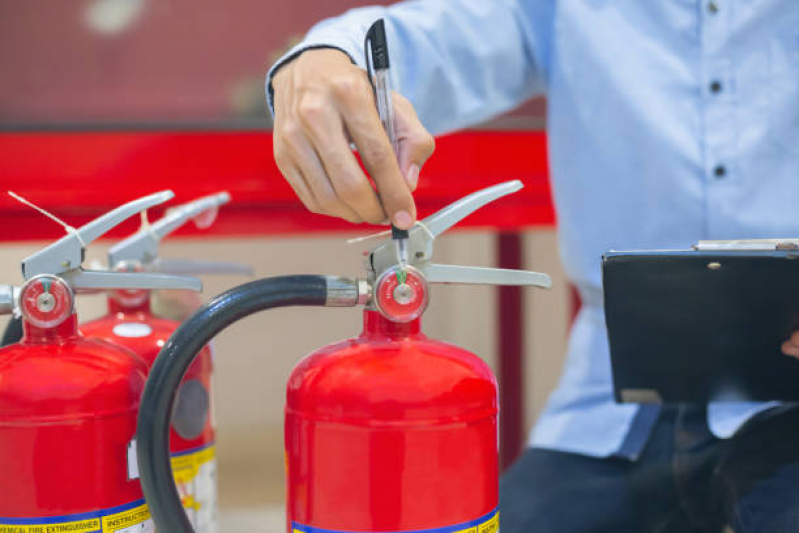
(377, 62)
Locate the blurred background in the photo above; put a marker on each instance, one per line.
(146, 63)
(104, 100)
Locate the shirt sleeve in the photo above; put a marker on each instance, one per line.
(459, 62)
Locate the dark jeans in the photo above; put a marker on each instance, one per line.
(686, 481)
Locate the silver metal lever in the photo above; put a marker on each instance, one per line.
(195, 267)
(422, 239)
(441, 221)
(80, 279)
(142, 246)
(64, 257)
(457, 274)
(67, 253)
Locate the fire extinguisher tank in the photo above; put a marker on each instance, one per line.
(390, 431)
(67, 417)
(68, 405)
(143, 333)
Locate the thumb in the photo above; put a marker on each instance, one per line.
(416, 144)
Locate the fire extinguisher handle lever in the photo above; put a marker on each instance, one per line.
(63, 258)
(178, 216)
(457, 274)
(67, 253)
(422, 239)
(441, 221)
(142, 246)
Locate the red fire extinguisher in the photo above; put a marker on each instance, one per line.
(389, 431)
(130, 323)
(68, 405)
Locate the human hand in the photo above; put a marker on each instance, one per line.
(322, 103)
(791, 346)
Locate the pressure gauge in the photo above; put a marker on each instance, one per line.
(398, 301)
(46, 301)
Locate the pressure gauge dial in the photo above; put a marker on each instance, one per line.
(398, 301)
(46, 301)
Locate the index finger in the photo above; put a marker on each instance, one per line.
(377, 154)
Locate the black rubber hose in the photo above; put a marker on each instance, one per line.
(13, 332)
(172, 362)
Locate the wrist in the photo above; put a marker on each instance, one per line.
(278, 69)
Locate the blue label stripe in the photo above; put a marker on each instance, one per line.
(445, 529)
(193, 450)
(71, 517)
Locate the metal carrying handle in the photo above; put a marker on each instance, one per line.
(142, 246)
(80, 279)
(196, 267)
(467, 275)
(67, 253)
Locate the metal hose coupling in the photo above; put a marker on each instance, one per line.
(347, 292)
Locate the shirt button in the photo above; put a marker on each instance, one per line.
(713, 7)
(715, 87)
(720, 171)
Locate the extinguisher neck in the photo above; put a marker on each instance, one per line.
(65, 331)
(139, 305)
(376, 325)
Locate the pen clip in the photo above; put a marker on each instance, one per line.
(375, 49)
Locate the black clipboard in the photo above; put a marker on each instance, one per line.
(702, 325)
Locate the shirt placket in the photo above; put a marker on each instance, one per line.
(717, 92)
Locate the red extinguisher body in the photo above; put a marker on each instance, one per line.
(391, 431)
(192, 433)
(68, 410)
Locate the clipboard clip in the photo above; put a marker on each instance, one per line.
(748, 245)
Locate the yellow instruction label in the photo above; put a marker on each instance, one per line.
(488, 523)
(195, 476)
(491, 526)
(186, 466)
(130, 518)
(122, 521)
(82, 526)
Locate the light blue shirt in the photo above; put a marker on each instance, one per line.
(668, 122)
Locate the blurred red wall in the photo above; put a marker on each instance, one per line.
(175, 60)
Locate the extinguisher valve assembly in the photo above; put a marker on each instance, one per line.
(403, 302)
(397, 299)
(53, 274)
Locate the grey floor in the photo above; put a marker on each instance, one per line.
(270, 519)
(251, 493)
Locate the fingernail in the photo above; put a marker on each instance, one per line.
(402, 219)
(413, 176)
